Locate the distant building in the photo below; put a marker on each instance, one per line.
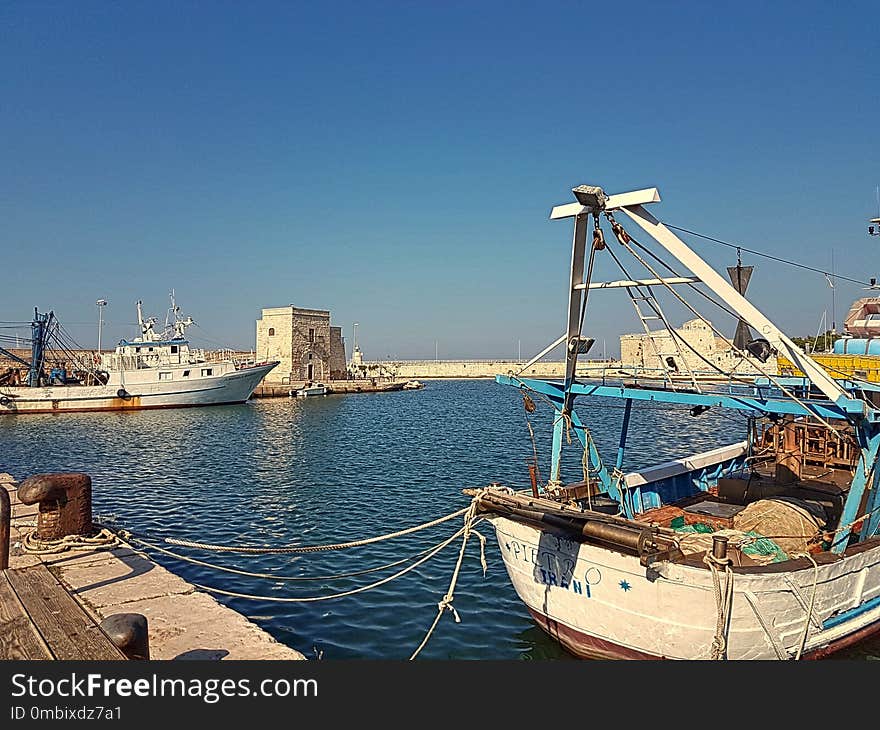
(307, 347)
(697, 349)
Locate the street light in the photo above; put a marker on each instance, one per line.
(101, 303)
(591, 196)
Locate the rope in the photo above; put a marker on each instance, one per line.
(361, 589)
(723, 602)
(312, 548)
(103, 540)
(767, 255)
(273, 576)
(809, 616)
(446, 602)
(625, 238)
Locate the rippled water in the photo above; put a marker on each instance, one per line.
(338, 468)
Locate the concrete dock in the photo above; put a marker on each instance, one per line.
(183, 622)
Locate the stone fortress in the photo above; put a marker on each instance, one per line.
(307, 346)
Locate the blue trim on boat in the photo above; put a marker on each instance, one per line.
(756, 405)
(851, 613)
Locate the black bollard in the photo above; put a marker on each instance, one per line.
(128, 632)
(65, 502)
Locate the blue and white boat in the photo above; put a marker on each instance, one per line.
(766, 548)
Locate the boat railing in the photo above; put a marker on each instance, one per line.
(236, 357)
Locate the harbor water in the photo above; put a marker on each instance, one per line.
(308, 471)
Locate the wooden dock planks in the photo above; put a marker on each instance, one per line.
(46, 622)
(18, 637)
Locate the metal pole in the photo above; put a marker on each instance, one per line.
(5, 525)
(101, 304)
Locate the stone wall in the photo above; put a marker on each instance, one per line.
(437, 369)
(338, 357)
(274, 336)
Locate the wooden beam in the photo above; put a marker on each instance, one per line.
(65, 627)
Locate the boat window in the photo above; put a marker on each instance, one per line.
(164, 376)
(186, 373)
(207, 371)
(271, 331)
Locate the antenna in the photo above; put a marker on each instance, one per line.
(874, 228)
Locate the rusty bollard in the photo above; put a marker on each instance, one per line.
(65, 501)
(128, 632)
(5, 524)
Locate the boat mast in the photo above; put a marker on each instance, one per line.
(39, 334)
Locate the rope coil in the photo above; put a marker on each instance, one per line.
(103, 540)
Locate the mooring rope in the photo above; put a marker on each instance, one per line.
(809, 617)
(723, 602)
(445, 604)
(361, 589)
(312, 548)
(273, 576)
(103, 540)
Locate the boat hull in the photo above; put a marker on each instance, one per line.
(235, 386)
(600, 603)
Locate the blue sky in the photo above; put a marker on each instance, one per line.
(396, 162)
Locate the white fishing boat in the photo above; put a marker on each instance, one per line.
(766, 548)
(153, 370)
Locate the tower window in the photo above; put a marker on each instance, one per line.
(271, 331)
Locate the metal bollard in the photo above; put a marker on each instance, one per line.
(719, 547)
(128, 632)
(65, 501)
(5, 525)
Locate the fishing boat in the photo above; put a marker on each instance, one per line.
(763, 548)
(309, 389)
(153, 370)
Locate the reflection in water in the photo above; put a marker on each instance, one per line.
(322, 470)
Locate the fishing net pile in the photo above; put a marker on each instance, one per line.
(767, 531)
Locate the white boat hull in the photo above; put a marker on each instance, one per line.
(234, 386)
(600, 603)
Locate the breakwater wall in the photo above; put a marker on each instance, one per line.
(454, 369)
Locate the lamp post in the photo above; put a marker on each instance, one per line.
(101, 303)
